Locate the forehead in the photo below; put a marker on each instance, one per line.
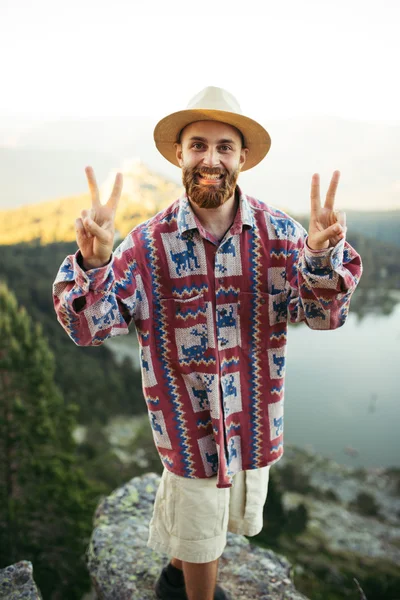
(211, 130)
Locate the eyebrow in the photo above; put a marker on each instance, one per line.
(201, 139)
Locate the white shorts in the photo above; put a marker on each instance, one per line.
(191, 517)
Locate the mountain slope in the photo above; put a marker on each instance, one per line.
(144, 194)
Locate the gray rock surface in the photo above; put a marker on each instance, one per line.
(342, 528)
(122, 567)
(16, 582)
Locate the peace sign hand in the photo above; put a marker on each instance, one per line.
(327, 227)
(95, 228)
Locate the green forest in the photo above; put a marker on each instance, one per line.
(103, 387)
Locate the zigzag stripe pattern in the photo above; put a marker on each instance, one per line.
(161, 329)
(227, 362)
(278, 390)
(277, 337)
(129, 274)
(152, 400)
(277, 447)
(71, 322)
(234, 426)
(203, 361)
(324, 301)
(182, 292)
(225, 291)
(203, 423)
(98, 339)
(187, 313)
(255, 363)
(167, 460)
(278, 253)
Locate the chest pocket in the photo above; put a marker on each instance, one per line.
(263, 320)
(188, 339)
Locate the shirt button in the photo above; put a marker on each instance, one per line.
(263, 300)
(221, 280)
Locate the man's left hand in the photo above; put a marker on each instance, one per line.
(327, 227)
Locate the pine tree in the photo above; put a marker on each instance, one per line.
(46, 505)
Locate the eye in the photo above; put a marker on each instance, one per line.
(198, 146)
(225, 148)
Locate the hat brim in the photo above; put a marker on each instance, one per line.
(256, 138)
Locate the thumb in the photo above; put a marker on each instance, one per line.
(323, 236)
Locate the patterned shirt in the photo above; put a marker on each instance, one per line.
(211, 320)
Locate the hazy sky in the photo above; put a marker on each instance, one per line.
(124, 57)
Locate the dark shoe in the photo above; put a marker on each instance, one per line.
(166, 590)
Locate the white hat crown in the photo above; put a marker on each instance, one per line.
(215, 98)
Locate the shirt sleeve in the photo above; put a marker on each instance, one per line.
(95, 305)
(321, 282)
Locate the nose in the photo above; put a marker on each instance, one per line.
(211, 157)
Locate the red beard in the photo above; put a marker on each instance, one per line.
(209, 196)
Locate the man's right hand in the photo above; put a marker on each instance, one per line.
(95, 227)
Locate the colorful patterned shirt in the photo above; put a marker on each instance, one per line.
(211, 320)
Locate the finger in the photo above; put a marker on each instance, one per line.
(116, 192)
(94, 190)
(336, 238)
(81, 233)
(97, 231)
(328, 234)
(330, 196)
(334, 231)
(315, 199)
(84, 215)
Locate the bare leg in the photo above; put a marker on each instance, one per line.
(200, 579)
(177, 563)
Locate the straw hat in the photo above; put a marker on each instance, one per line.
(212, 104)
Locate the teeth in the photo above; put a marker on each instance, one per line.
(207, 176)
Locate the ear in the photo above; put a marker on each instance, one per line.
(243, 156)
(178, 150)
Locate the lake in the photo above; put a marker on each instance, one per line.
(343, 389)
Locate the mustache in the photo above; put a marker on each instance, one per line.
(207, 171)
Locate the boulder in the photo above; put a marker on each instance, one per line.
(16, 582)
(122, 566)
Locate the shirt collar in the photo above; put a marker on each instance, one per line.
(186, 218)
(245, 214)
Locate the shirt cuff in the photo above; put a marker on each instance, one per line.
(93, 279)
(328, 258)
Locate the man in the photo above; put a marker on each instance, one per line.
(210, 284)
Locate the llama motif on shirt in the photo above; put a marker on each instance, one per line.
(185, 256)
(228, 260)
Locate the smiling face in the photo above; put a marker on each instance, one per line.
(210, 154)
